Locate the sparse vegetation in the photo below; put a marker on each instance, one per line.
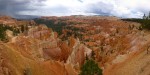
(90, 68)
(3, 29)
(2, 33)
(145, 23)
(51, 23)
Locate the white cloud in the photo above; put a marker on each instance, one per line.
(120, 8)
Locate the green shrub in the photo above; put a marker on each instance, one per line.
(3, 29)
(90, 68)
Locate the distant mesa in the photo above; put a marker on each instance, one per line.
(23, 17)
(26, 16)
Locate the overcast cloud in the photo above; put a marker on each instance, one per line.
(120, 8)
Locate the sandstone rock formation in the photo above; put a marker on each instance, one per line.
(119, 47)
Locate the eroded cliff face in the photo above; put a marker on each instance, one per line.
(39, 51)
(119, 47)
(117, 44)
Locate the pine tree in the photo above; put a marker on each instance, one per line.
(90, 68)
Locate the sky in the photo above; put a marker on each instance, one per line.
(119, 8)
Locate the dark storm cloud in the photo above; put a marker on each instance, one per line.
(13, 7)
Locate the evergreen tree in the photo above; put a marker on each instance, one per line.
(93, 55)
(90, 68)
(22, 28)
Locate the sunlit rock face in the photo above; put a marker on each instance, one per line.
(39, 48)
(119, 47)
(43, 52)
(117, 44)
(79, 53)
